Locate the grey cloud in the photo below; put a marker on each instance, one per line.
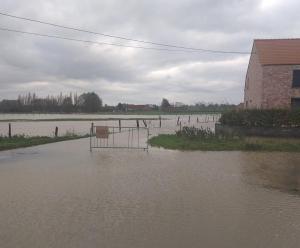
(118, 74)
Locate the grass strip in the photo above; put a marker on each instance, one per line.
(27, 141)
(175, 142)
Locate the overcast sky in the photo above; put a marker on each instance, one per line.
(50, 66)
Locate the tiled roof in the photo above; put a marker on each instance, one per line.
(278, 51)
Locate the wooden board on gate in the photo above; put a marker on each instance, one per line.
(102, 132)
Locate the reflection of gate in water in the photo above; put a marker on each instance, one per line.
(119, 137)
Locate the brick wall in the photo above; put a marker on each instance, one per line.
(269, 86)
(253, 84)
(277, 86)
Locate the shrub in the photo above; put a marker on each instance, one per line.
(262, 118)
(192, 133)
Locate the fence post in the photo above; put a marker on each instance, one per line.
(137, 124)
(148, 138)
(178, 120)
(160, 121)
(145, 123)
(189, 118)
(9, 130)
(91, 133)
(120, 125)
(56, 131)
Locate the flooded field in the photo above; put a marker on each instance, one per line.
(46, 128)
(63, 195)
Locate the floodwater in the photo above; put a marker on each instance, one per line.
(61, 195)
(46, 128)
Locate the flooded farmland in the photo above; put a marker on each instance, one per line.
(63, 195)
(79, 124)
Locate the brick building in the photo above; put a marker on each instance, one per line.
(273, 76)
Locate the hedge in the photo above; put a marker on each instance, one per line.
(262, 118)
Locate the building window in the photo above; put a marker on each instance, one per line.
(295, 103)
(296, 78)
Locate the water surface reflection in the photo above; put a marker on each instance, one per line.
(273, 170)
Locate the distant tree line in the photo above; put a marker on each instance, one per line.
(212, 107)
(91, 103)
(198, 107)
(166, 106)
(86, 102)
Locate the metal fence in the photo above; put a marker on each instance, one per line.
(119, 137)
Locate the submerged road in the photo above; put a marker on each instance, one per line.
(61, 195)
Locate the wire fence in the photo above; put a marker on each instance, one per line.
(115, 137)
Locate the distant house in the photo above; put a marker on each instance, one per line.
(273, 76)
(179, 104)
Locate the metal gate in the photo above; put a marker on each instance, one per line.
(119, 137)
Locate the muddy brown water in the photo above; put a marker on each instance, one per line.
(61, 195)
(46, 128)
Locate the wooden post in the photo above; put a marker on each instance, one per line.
(92, 128)
(91, 133)
(189, 118)
(137, 124)
(180, 126)
(56, 131)
(120, 125)
(197, 119)
(178, 120)
(9, 130)
(145, 123)
(159, 121)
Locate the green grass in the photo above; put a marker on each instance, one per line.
(229, 144)
(26, 141)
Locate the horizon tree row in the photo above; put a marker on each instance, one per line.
(87, 102)
(90, 102)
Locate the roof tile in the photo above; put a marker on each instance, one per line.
(278, 51)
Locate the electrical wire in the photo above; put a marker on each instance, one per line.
(125, 38)
(89, 41)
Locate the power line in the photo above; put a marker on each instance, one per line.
(90, 41)
(123, 38)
